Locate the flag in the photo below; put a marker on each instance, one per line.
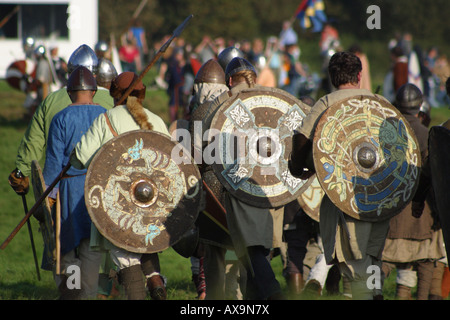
(311, 13)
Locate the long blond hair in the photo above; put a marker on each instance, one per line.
(246, 75)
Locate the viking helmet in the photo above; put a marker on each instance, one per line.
(83, 56)
(81, 79)
(227, 54)
(101, 46)
(210, 72)
(28, 44)
(106, 72)
(39, 51)
(236, 65)
(408, 99)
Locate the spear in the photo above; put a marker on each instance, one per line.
(163, 49)
(30, 232)
(35, 207)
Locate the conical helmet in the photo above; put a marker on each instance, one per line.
(210, 72)
(81, 79)
(227, 54)
(236, 65)
(106, 72)
(83, 56)
(409, 98)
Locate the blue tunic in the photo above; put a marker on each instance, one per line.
(66, 130)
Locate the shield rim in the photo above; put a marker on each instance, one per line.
(259, 202)
(120, 244)
(316, 159)
(313, 213)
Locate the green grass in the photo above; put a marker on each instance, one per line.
(18, 279)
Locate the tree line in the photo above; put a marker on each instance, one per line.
(247, 19)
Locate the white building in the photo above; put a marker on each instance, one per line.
(64, 23)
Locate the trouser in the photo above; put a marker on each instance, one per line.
(222, 277)
(419, 273)
(365, 276)
(296, 250)
(214, 267)
(261, 281)
(88, 264)
(133, 267)
(297, 242)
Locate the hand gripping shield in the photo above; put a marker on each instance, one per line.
(251, 141)
(366, 157)
(143, 191)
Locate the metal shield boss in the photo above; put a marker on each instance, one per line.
(143, 191)
(44, 216)
(252, 133)
(366, 157)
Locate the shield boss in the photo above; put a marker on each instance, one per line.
(252, 141)
(366, 157)
(142, 191)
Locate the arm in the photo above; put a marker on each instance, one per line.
(33, 142)
(90, 143)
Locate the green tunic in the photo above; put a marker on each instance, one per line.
(33, 144)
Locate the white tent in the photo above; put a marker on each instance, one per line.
(66, 24)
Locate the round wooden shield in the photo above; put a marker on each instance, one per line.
(143, 191)
(43, 214)
(252, 143)
(366, 157)
(311, 197)
(16, 74)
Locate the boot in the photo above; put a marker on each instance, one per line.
(403, 292)
(313, 287)
(132, 280)
(295, 283)
(425, 277)
(445, 283)
(65, 293)
(333, 280)
(436, 283)
(155, 286)
(155, 283)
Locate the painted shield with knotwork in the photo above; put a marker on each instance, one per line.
(250, 145)
(311, 197)
(143, 191)
(366, 157)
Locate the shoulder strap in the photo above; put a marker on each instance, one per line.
(110, 126)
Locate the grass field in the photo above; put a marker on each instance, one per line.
(18, 279)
